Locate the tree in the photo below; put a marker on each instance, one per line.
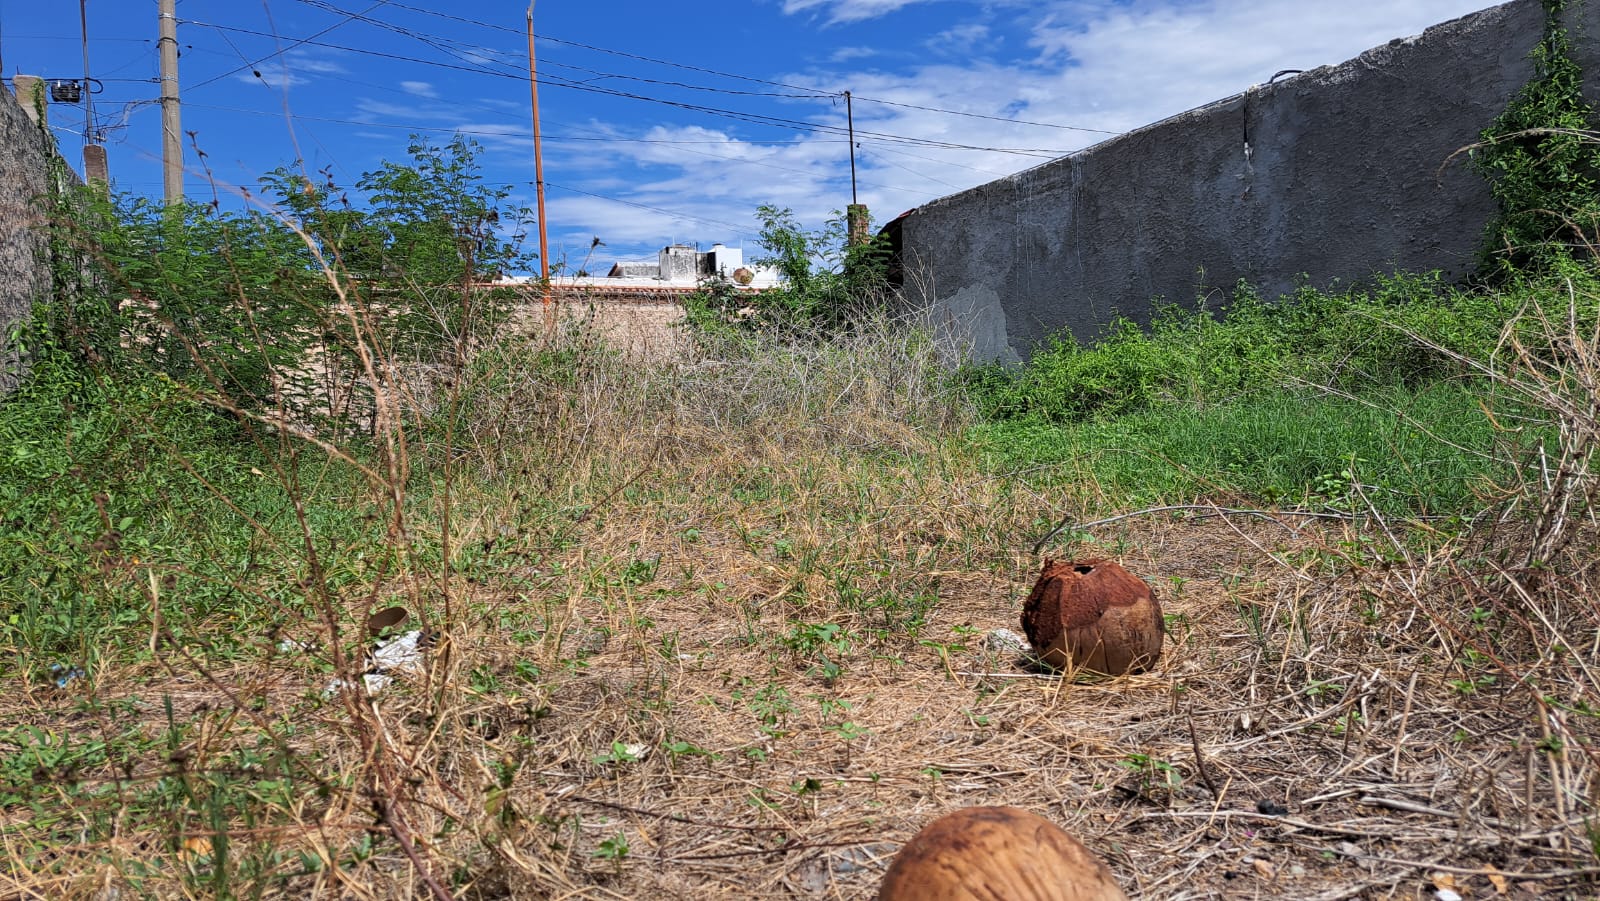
(826, 282)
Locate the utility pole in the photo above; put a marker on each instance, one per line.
(88, 86)
(850, 119)
(855, 215)
(94, 153)
(538, 177)
(171, 124)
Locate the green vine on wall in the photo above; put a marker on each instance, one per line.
(1542, 161)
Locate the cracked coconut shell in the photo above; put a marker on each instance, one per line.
(996, 854)
(1093, 615)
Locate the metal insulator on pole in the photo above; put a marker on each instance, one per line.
(171, 122)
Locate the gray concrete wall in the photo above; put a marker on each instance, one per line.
(24, 271)
(1334, 174)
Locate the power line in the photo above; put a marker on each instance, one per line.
(736, 115)
(281, 50)
(464, 54)
(634, 56)
(952, 112)
(480, 132)
(811, 92)
(53, 37)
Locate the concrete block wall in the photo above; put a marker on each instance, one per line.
(1331, 175)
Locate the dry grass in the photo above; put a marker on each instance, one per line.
(729, 614)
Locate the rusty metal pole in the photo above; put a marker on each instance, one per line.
(538, 179)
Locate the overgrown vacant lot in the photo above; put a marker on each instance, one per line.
(718, 627)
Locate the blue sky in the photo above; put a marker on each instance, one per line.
(672, 122)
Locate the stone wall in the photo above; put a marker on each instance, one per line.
(25, 163)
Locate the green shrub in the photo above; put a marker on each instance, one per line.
(1349, 341)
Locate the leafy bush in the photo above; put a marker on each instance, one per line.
(432, 231)
(114, 488)
(289, 310)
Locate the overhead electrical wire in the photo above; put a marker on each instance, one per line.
(282, 50)
(954, 112)
(486, 133)
(815, 92)
(736, 115)
(464, 52)
(622, 53)
(483, 61)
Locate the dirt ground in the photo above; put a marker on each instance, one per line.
(1281, 749)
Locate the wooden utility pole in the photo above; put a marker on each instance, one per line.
(850, 120)
(95, 171)
(855, 215)
(171, 124)
(538, 175)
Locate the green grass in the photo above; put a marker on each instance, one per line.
(119, 496)
(1287, 448)
(1353, 340)
(1336, 400)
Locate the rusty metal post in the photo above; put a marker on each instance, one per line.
(538, 181)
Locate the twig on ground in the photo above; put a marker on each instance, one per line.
(1200, 762)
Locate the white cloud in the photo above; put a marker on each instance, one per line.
(967, 39)
(419, 88)
(272, 76)
(1148, 60)
(308, 62)
(846, 54)
(845, 11)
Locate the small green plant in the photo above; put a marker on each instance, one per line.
(1152, 772)
(849, 731)
(619, 752)
(827, 643)
(614, 848)
(640, 572)
(679, 749)
(769, 703)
